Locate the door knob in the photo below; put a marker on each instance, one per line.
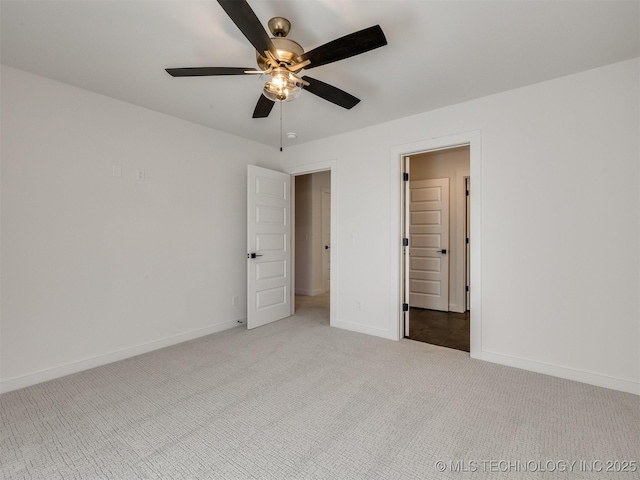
(442, 251)
(253, 255)
(327, 247)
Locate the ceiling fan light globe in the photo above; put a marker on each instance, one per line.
(280, 94)
(281, 86)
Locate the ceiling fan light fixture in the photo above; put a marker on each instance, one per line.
(282, 59)
(283, 86)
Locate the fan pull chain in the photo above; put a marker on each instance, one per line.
(280, 126)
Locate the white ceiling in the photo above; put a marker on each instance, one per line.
(439, 53)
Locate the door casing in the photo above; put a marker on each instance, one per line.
(295, 171)
(326, 239)
(397, 155)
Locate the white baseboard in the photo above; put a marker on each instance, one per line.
(561, 372)
(75, 367)
(354, 327)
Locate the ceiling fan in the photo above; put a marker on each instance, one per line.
(281, 59)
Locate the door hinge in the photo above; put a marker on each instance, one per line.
(405, 242)
(405, 307)
(467, 240)
(467, 288)
(405, 176)
(467, 193)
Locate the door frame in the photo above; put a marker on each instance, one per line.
(397, 154)
(467, 245)
(326, 276)
(331, 166)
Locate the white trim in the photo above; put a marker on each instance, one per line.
(467, 248)
(562, 372)
(97, 361)
(397, 152)
(332, 166)
(475, 185)
(292, 246)
(405, 260)
(312, 168)
(325, 280)
(369, 330)
(460, 245)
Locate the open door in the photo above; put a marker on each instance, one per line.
(269, 246)
(429, 239)
(406, 260)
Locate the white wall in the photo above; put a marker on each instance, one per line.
(559, 214)
(453, 164)
(97, 268)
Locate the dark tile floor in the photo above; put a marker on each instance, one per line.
(447, 329)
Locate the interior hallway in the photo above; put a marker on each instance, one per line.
(317, 305)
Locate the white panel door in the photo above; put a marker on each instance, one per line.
(429, 244)
(268, 242)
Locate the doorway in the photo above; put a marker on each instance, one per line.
(437, 215)
(312, 242)
(271, 291)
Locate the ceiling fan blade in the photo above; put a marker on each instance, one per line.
(345, 47)
(330, 93)
(246, 20)
(206, 71)
(263, 107)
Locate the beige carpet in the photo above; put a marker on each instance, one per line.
(300, 400)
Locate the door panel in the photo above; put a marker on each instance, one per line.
(266, 270)
(269, 237)
(266, 241)
(428, 237)
(268, 298)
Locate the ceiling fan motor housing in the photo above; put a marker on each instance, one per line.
(288, 51)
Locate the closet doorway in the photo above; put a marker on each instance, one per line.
(437, 257)
(313, 240)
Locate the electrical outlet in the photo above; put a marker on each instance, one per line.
(234, 301)
(140, 175)
(116, 170)
(359, 305)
